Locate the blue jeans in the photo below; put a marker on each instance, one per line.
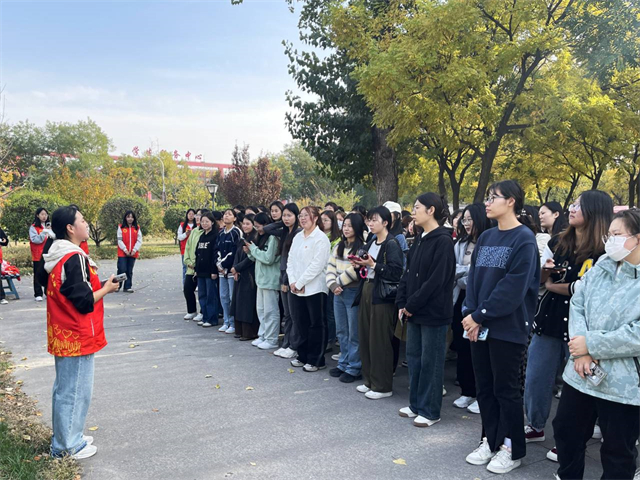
(331, 321)
(125, 265)
(347, 330)
(208, 297)
(226, 294)
(71, 397)
(425, 357)
(546, 353)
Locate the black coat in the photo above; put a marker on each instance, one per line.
(206, 254)
(426, 288)
(389, 266)
(243, 302)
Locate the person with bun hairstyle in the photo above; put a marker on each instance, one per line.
(184, 230)
(38, 234)
(75, 331)
(376, 315)
(129, 243)
(424, 300)
(498, 311)
(552, 218)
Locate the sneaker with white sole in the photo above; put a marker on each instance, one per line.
(463, 402)
(297, 363)
(189, 316)
(3, 301)
(207, 325)
(223, 328)
(88, 439)
(533, 435)
(257, 341)
(267, 346)
(335, 357)
(371, 395)
(39, 299)
(421, 421)
(86, 452)
(362, 388)
(502, 461)
(406, 412)
(279, 351)
(597, 433)
(230, 330)
(474, 408)
(201, 322)
(198, 318)
(481, 455)
(553, 454)
(312, 368)
(444, 391)
(289, 353)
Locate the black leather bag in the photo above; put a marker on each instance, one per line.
(386, 289)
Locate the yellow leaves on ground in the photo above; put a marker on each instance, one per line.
(400, 461)
(93, 429)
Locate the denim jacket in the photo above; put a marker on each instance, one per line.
(606, 310)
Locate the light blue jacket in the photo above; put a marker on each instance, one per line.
(606, 310)
(267, 264)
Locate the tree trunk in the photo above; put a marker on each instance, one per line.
(385, 167)
(632, 190)
(442, 188)
(485, 172)
(574, 185)
(455, 190)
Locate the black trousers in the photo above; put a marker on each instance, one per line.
(38, 290)
(308, 314)
(125, 265)
(496, 365)
(189, 290)
(573, 427)
(464, 367)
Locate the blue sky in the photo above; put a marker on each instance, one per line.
(191, 76)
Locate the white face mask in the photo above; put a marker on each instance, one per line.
(340, 224)
(615, 248)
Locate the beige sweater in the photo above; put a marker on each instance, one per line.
(340, 273)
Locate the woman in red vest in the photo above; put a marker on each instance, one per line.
(183, 235)
(75, 330)
(37, 238)
(4, 241)
(129, 243)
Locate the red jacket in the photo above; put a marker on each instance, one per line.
(85, 246)
(129, 237)
(37, 248)
(69, 332)
(183, 243)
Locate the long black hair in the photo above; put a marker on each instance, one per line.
(263, 219)
(135, 219)
(252, 236)
(357, 224)
(37, 221)
(334, 233)
(285, 246)
(561, 223)
(186, 217)
(481, 223)
(277, 204)
(529, 217)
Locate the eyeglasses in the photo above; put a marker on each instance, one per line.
(491, 198)
(575, 207)
(605, 238)
(466, 222)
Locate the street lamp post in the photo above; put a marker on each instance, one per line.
(213, 189)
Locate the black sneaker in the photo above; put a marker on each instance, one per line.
(347, 378)
(335, 372)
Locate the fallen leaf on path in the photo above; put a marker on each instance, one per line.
(466, 417)
(249, 388)
(19, 382)
(400, 461)
(217, 386)
(133, 345)
(93, 429)
(208, 376)
(26, 437)
(155, 366)
(37, 458)
(38, 414)
(290, 370)
(23, 359)
(155, 410)
(253, 464)
(326, 379)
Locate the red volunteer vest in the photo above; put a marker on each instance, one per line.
(36, 248)
(183, 243)
(129, 237)
(69, 332)
(84, 245)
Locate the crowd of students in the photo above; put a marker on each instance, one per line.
(521, 294)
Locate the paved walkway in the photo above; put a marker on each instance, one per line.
(191, 403)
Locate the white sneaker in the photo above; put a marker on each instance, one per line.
(230, 330)
(201, 322)
(444, 391)
(289, 353)
(279, 351)
(267, 346)
(86, 452)
(421, 421)
(463, 402)
(553, 454)
(597, 433)
(481, 455)
(207, 325)
(474, 408)
(406, 412)
(296, 363)
(362, 388)
(3, 301)
(502, 462)
(257, 341)
(223, 328)
(312, 368)
(39, 299)
(377, 395)
(335, 357)
(189, 316)
(87, 439)
(198, 318)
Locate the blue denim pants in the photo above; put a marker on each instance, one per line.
(425, 358)
(347, 330)
(545, 355)
(125, 265)
(72, 390)
(208, 297)
(226, 294)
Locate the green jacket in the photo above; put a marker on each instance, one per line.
(267, 264)
(606, 310)
(190, 249)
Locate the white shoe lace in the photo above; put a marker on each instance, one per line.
(528, 429)
(503, 457)
(483, 447)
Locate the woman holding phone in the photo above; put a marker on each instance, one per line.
(37, 238)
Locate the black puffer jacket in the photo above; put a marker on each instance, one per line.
(426, 288)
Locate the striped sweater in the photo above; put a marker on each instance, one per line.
(340, 273)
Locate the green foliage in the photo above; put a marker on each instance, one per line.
(19, 211)
(173, 216)
(112, 213)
